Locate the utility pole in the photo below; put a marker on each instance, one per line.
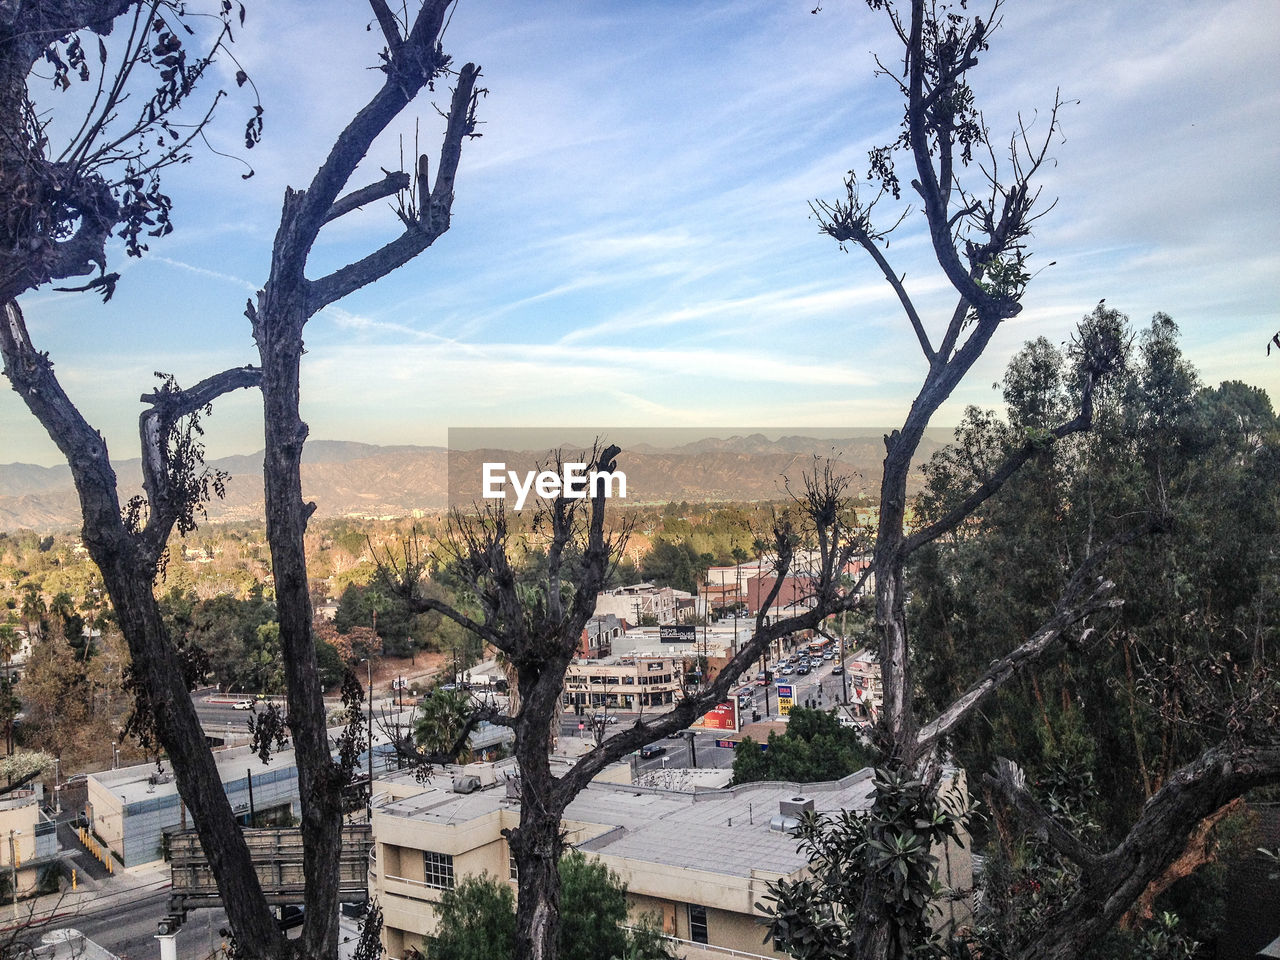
(844, 675)
(369, 694)
(13, 863)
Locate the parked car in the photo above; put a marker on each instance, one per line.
(650, 750)
(762, 679)
(242, 705)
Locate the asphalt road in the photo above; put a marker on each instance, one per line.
(129, 929)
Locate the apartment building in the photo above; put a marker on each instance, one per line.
(599, 636)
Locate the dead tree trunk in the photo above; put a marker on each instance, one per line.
(413, 60)
(537, 843)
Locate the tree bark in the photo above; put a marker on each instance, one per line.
(319, 780)
(1115, 880)
(538, 842)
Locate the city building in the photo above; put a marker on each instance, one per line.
(599, 636)
(638, 604)
(623, 683)
(697, 863)
(749, 584)
(866, 693)
(28, 838)
(132, 809)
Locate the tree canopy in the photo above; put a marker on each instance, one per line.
(477, 918)
(814, 748)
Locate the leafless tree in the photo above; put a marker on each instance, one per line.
(59, 206)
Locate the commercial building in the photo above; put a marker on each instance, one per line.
(698, 863)
(623, 683)
(132, 809)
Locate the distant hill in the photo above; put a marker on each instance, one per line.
(346, 478)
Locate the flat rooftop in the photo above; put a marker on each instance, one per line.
(721, 831)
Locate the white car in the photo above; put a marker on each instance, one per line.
(242, 705)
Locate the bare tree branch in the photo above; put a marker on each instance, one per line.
(388, 186)
(1066, 615)
(993, 484)
(1118, 878)
(415, 63)
(387, 21)
(432, 221)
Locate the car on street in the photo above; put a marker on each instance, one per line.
(802, 670)
(762, 679)
(837, 670)
(242, 705)
(604, 718)
(650, 750)
(786, 668)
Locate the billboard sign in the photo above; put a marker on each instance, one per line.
(723, 716)
(678, 633)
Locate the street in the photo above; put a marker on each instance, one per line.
(817, 689)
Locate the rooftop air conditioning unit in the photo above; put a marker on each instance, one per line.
(795, 807)
(466, 784)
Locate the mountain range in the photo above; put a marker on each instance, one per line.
(359, 479)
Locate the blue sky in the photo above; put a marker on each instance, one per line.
(631, 240)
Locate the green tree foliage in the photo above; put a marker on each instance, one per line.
(477, 918)
(815, 748)
(892, 847)
(1170, 672)
(237, 652)
(440, 720)
(395, 622)
(674, 564)
(476, 921)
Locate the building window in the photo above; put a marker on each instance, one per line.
(513, 868)
(437, 870)
(698, 923)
